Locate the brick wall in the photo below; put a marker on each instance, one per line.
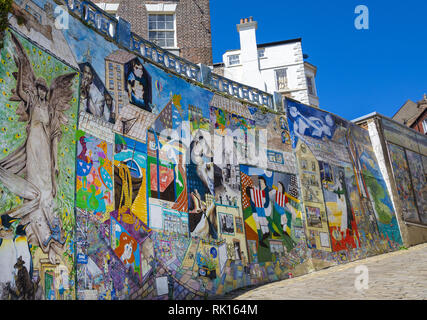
(192, 22)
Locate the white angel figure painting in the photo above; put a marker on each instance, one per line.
(31, 171)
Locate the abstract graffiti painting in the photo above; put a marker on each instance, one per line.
(94, 181)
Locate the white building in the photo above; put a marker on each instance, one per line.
(271, 67)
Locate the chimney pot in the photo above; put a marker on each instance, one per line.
(246, 20)
(251, 19)
(242, 20)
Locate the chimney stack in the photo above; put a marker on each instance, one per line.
(246, 20)
(249, 52)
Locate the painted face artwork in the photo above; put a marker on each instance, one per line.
(137, 70)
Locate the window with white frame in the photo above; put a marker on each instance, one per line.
(161, 29)
(310, 86)
(233, 59)
(425, 126)
(281, 79)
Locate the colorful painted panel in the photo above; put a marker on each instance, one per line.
(130, 179)
(419, 183)
(341, 218)
(307, 121)
(125, 247)
(403, 183)
(340, 175)
(311, 189)
(399, 135)
(235, 137)
(271, 211)
(373, 187)
(38, 119)
(274, 141)
(94, 181)
(201, 188)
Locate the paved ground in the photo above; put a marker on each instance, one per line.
(397, 275)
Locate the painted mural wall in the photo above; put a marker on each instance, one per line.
(349, 213)
(408, 158)
(39, 100)
(164, 189)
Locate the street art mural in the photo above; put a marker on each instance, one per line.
(419, 183)
(94, 97)
(37, 171)
(407, 149)
(120, 180)
(272, 215)
(403, 182)
(374, 197)
(349, 211)
(94, 181)
(341, 219)
(130, 178)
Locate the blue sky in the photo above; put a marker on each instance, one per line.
(359, 71)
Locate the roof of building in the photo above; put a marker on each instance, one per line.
(308, 64)
(120, 56)
(272, 44)
(277, 43)
(366, 117)
(410, 111)
(361, 121)
(406, 111)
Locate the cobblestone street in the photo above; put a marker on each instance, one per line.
(397, 275)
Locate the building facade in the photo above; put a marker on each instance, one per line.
(271, 67)
(182, 27)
